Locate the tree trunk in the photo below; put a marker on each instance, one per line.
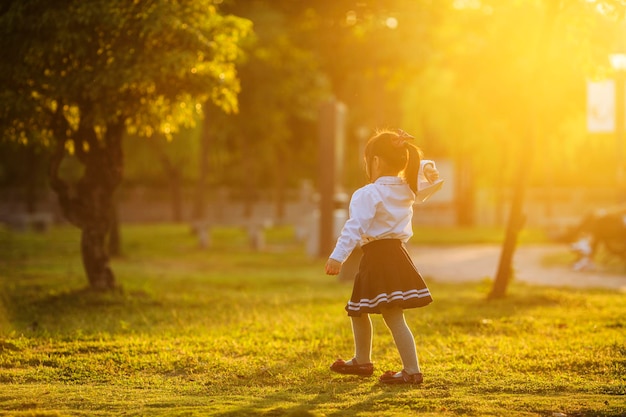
(96, 258)
(514, 226)
(281, 173)
(94, 206)
(114, 235)
(249, 182)
(88, 204)
(465, 193)
(525, 160)
(173, 173)
(199, 208)
(176, 195)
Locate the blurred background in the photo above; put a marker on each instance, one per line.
(503, 94)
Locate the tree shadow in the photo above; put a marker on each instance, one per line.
(331, 395)
(470, 300)
(45, 310)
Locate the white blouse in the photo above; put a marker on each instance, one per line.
(380, 210)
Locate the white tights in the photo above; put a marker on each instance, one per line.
(402, 336)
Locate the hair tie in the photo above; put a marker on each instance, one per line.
(402, 138)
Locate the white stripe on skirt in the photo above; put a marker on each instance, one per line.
(386, 298)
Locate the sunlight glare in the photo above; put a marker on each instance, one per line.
(618, 61)
(391, 23)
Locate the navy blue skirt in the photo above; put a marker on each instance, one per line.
(387, 277)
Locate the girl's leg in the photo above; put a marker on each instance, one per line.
(394, 319)
(362, 331)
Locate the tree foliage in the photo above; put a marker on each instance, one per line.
(274, 135)
(458, 74)
(495, 64)
(79, 75)
(146, 63)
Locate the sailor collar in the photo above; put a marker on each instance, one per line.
(389, 180)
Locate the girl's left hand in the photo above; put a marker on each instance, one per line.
(333, 267)
(431, 173)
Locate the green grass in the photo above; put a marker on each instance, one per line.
(231, 332)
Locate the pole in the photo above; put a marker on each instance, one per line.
(331, 142)
(326, 179)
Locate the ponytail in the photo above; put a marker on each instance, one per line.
(412, 166)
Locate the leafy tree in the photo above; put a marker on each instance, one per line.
(273, 136)
(78, 75)
(368, 50)
(511, 78)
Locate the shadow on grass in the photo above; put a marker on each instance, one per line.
(344, 396)
(464, 307)
(457, 307)
(41, 311)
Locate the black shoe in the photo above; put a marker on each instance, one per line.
(340, 366)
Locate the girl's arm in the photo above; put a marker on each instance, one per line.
(428, 181)
(362, 211)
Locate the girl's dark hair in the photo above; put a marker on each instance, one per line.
(395, 150)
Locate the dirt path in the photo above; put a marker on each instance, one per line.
(478, 262)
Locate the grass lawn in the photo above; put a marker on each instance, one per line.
(231, 332)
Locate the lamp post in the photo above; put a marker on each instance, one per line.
(618, 62)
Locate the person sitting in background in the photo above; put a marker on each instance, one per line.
(605, 227)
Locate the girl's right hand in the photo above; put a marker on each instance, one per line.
(332, 267)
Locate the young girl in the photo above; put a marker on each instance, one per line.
(387, 281)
